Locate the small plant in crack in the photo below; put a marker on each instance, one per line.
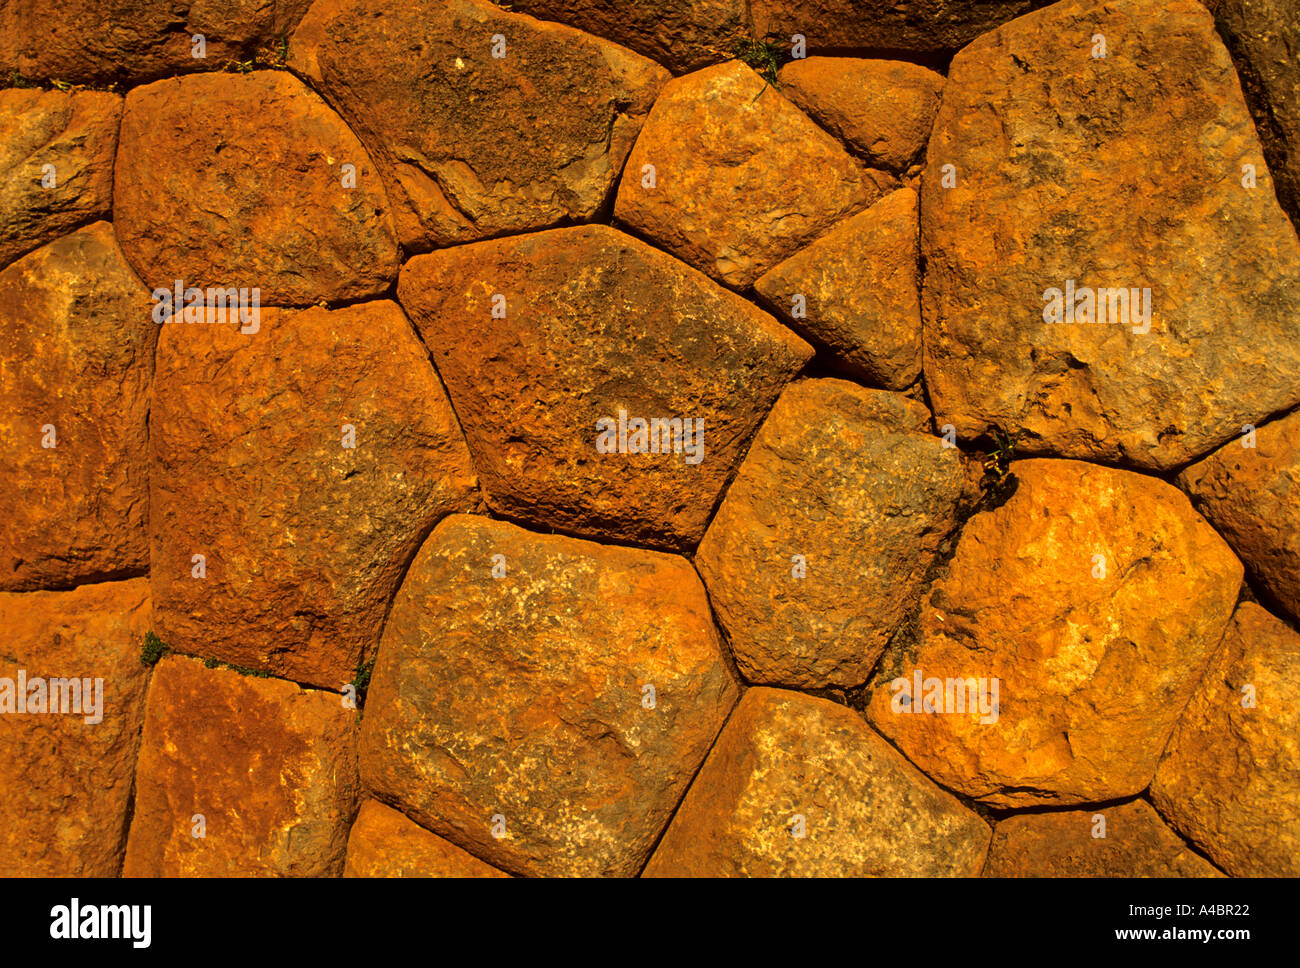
(268, 57)
(764, 57)
(361, 681)
(999, 482)
(154, 649)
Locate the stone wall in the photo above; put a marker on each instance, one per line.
(742, 437)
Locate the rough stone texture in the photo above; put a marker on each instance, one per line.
(883, 110)
(475, 145)
(1061, 844)
(1230, 777)
(1065, 172)
(305, 539)
(861, 292)
(596, 321)
(1252, 497)
(136, 40)
(74, 132)
(76, 352)
(383, 843)
(867, 811)
(237, 180)
(271, 767)
(742, 179)
(66, 782)
(1264, 36)
(523, 697)
(882, 25)
(1093, 671)
(683, 35)
(865, 500)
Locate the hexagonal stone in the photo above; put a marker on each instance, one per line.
(67, 754)
(383, 843)
(802, 787)
(683, 35)
(598, 326)
(903, 25)
(57, 148)
(269, 206)
(1249, 490)
(883, 110)
(304, 462)
(100, 41)
(1134, 842)
(1230, 776)
(485, 122)
(820, 547)
(857, 291)
(1070, 199)
(241, 777)
(732, 178)
(76, 362)
(1071, 600)
(541, 701)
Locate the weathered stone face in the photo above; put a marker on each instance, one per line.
(788, 763)
(67, 780)
(548, 720)
(305, 525)
(1066, 178)
(99, 41)
(76, 362)
(597, 324)
(741, 177)
(57, 150)
(1230, 776)
(1129, 840)
(683, 35)
(474, 144)
(1251, 494)
(856, 290)
(911, 25)
(883, 110)
(820, 546)
(383, 843)
(269, 207)
(263, 768)
(1074, 597)
(1263, 36)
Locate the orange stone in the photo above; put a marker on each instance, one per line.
(732, 178)
(67, 781)
(1072, 601)
(476, 136)
(541, 701)
(598, 326)
(383, 843)
(883, 110)
(270, 205)
(802, 787)
(1128, 840)
(857, 292)
(1230, 777)
(1249, 494)
(57, 147)
(241, 777)
(76, 363)
(304, 462)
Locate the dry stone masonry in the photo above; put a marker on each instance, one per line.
(740, 438)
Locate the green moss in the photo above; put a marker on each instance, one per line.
(764, 57)
(153, 650)
(361, 681)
